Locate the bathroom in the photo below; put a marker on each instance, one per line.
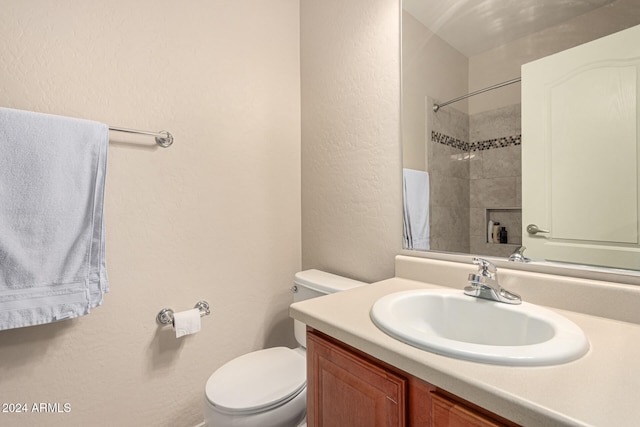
(217, 216)
(283, 160)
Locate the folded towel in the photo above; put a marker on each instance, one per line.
(415, 220)
(52, 253)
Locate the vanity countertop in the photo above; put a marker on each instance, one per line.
(599, 389)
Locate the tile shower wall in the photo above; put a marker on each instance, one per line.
(472, 182)
(495, 178)
(449, 179)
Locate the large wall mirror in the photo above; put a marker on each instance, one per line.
(467, 129)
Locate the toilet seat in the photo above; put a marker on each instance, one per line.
(258, 381)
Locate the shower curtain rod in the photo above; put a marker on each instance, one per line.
(163, 138)
(436, 107)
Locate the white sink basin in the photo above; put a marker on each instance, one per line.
(447, 322)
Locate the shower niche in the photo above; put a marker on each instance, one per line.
(509, 219)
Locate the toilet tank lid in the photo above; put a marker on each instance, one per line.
(325, 282)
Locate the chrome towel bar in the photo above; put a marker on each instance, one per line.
(163, 138)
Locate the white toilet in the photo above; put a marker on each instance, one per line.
(268, 388)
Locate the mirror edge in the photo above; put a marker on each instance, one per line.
(626, 277)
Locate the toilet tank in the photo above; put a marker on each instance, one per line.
(315, 283)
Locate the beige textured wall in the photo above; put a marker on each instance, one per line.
(215, 217)
(504, 62)
(430, 67)
(351, 154)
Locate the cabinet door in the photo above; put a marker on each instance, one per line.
(450, 413)
(345, 390)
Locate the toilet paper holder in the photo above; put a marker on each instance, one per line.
(165, 316)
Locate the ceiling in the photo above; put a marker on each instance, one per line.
(474, 26)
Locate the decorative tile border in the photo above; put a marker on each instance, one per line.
(488, 144)
(443, 139)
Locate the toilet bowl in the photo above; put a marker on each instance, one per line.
(267, 388)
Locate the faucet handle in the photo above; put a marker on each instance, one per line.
(485, 268)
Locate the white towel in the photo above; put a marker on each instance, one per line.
(415, 189)
(52, 253)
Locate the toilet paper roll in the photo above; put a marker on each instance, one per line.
(186, 322)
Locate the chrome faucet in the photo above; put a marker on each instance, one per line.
(484, 284)
(518, 255)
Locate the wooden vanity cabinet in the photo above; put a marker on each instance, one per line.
(348, 388)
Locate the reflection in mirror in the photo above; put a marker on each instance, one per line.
(580, 119)
(469, 152)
